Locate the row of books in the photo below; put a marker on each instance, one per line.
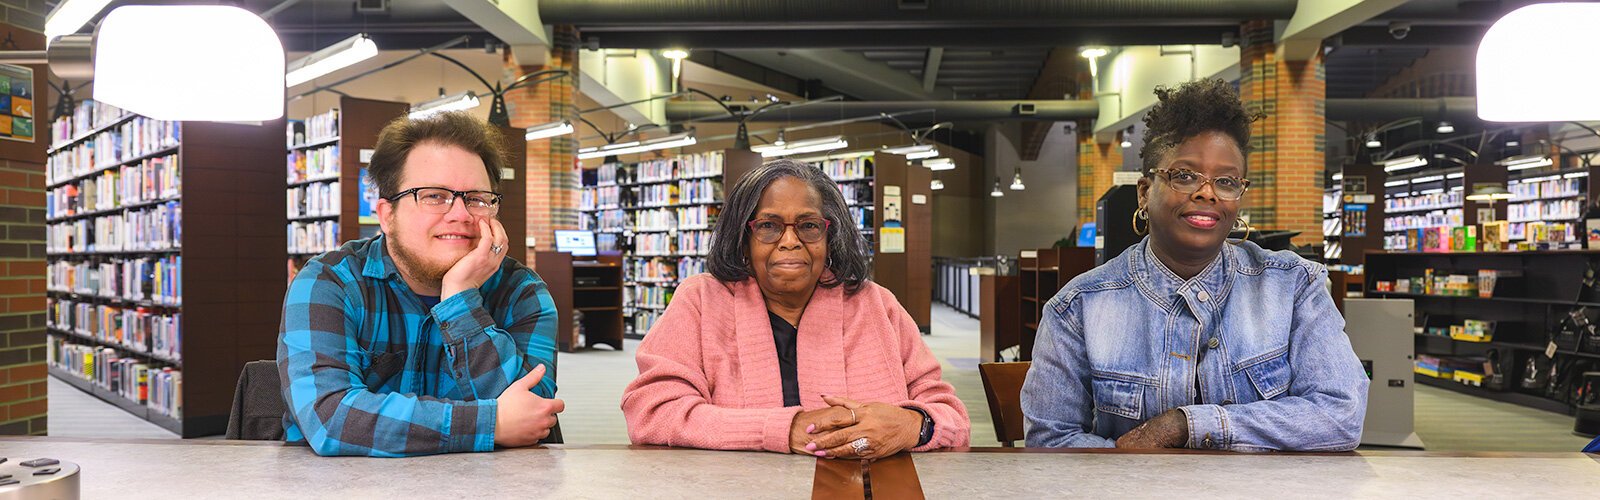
(690, 266)
(89, 115)
(159, 388)
(1422, 202)
(1545, 210)
(655, 270)
(156, 228)
(647, 297)
(146, 279)
(313, 164)
(604, 221)
(642, 320)
(313, 236)
(862, 215)
(312, 200)
(856, 193)
(314, 128)
(149, 180)
(1546, 188)
(682, 167)
(683, 218)
(686, 191)
(138, 137)
(846, 168)
(1442, 217)
(669, 245)
(603, 197)
(137, 329)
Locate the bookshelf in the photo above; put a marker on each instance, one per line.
(1552, 197)
(658, 214)
(163, 253)
(1042, 273)
(586, 289)
(328, 204)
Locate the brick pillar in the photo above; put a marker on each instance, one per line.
(1096, 163)
(1286, 164)
(23, 401)
(552, 183)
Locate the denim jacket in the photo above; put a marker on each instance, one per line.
(1251, 349)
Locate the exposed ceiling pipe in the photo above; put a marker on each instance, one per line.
(959, 111)
(952, 38)
(801, 14)
(1378, 109)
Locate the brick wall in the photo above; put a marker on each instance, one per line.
(23, 400)
(1096, 164)
(1289, 144)
(552, 186)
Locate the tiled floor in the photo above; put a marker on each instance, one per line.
(591, 383)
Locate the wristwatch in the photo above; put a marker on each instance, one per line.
(927, 426)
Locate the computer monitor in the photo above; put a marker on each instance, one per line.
(1086, 235)
(578, 243)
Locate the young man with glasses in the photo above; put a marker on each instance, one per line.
(426, 338)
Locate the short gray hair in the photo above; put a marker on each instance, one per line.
(847, 250)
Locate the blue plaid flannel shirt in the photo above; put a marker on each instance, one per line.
(368, 369)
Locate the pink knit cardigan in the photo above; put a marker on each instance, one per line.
(708, 369)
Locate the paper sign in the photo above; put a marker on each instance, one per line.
(1365, 198)
(891, 190)
(366, 156)
(508, 173)
(892, 240)
(17, 103)
(918, 199)
(1125, 178)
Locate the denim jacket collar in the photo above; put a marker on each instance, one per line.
(1165, 288)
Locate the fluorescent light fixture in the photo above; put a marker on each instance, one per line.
(675, 54)
(548, 130)
(1430, 178)
(1575, 175)
(1512, 144)
(331, 58)
(1558, 36)
(936, 185)
(1016, 181)
(1454, 175)
(1431, 191)
(915, 152)
(1531, 180)
(1526, 162)
(1455, 188)
(453, 102)
(668, 142)
(1374, 143)
(1445, 128)
(1093, 52)
(1403, 163)
(802, 146)
(938, 164)
(1398, 183)
(70, 16)
(1339, 176)
(189, 62)
(997, 192)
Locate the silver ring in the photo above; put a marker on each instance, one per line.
(860, 445)
(853, 419)
(495, 248)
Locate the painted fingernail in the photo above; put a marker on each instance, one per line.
(811, 446)
(811, 428)
(822, 454)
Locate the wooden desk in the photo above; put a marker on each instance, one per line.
(131, 469)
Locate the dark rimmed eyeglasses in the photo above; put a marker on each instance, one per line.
(810, 229)
(438, 200)
(1183, 180)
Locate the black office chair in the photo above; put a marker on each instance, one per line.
(258, 408)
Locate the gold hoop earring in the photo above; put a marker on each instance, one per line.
(1239, 223)
(1141, 214)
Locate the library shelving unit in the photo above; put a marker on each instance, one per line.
(1535, 293)
(164, 254)
(328, 200)
(1358, 213)
(1549, 196)
(1432, 199)
(1042, 273)
(659, 215)
(586, 289)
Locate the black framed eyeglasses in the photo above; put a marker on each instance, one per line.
(438, 200)
(810, 229)
(1183, 180)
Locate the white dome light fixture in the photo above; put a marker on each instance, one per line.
(1558, 36)
(186, 62)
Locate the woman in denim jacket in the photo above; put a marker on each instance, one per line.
(1187, 340)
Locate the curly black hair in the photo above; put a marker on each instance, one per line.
(1190, 109)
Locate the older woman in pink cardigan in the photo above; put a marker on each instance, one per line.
(785, 346)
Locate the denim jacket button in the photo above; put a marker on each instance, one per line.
(1214, 343)
(1226, 402)
(1208, 443)
(1202, 295)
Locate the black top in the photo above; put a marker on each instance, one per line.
(784, 334)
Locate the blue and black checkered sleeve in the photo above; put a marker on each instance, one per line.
(485, 353)
(323, 372)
